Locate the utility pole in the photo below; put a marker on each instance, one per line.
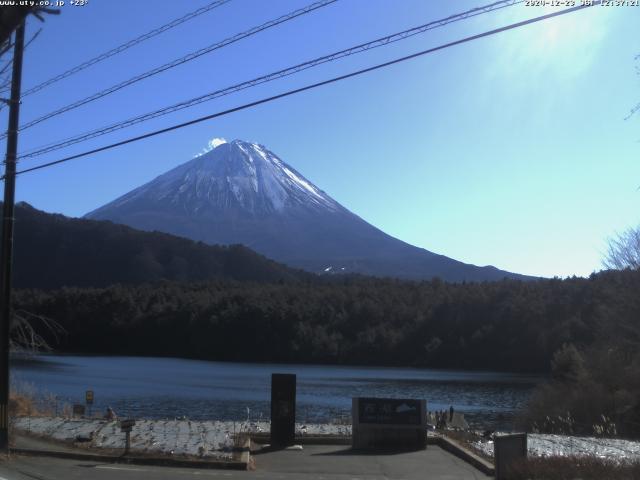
(6, 251)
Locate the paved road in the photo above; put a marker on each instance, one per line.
(339, 462)
(315, 462)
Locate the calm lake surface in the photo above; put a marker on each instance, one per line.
(168, 387)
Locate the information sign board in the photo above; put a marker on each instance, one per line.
(389, 423)
(126, 425)
(384, 411)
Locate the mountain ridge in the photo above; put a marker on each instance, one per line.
(241, 192)
(53, 251)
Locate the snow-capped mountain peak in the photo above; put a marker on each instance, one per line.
(241, 192)
(238, 174)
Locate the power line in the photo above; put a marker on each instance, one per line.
(125, 46)
(311, 86)
(379, 42)
(9, 63)
(179, 61)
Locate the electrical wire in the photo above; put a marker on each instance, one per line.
(311, 86)
(9, 63)
(178, 61)
(125, 46)
(379, 42)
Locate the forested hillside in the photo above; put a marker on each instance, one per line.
(507, 325)
(52, 251)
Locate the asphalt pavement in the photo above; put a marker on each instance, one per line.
(314, 462)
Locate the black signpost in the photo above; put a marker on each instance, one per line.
(283, 409)
(126, 426)
(88, 399)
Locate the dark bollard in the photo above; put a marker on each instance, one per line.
(507, 450)
(78, 410)
(283, 409)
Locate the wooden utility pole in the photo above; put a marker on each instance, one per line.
(6, 250)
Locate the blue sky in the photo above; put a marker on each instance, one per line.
(511, 150)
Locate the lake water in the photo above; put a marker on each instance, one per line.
(169, 387)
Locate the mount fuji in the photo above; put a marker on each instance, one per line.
(242, 193)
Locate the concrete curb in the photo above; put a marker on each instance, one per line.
(242, 463)
(463, 453)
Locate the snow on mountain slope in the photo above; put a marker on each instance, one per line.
(240, 192)
(240, 174)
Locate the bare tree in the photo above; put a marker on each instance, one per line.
(25, 336)
(25, 326)
(624, 250)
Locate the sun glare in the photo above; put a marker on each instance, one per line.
(565, 44)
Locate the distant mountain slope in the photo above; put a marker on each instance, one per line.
(53, 250)
(241, 192)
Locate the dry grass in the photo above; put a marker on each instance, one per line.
(570, 468)
(25, 399)
(22, 399)
(20, 405)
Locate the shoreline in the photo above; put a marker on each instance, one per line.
(217, 439)
(164, 387)
(535, 375)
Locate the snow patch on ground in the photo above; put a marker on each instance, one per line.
(177, 437)
(544, 445)
(215, 438)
